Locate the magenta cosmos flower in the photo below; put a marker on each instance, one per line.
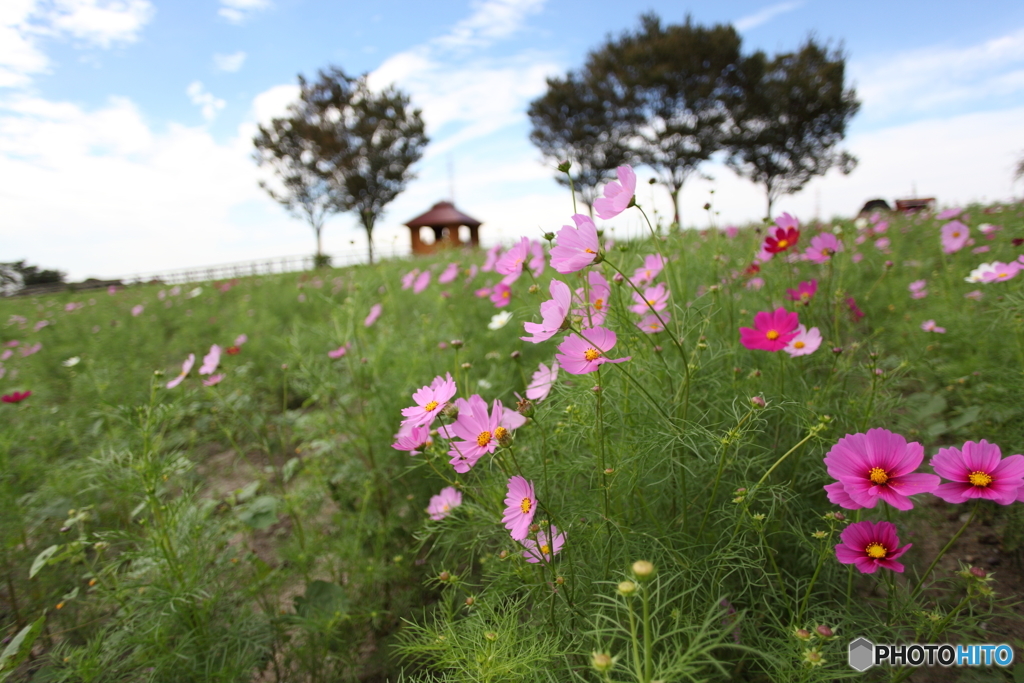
(876, 465)
(339, 352)
(479, 431)
(617, 195)
(542, 549)
(511, 262)
(541, 382)
(653, 265)
(577, 247)
(804, 343)
(870, 545)
(595, 309)
(412, 439)
(444, 502)
(930, 326)
(210, 361)
(804, 292)
(501, 295)
(771, 331)
(978, 471)
(580, 355)
(429, 401)
(823, 248)
(552, 313)
(954, 236)
(783, 235)
(520, 507)
(375, 311)
(15, 397)
(186, 368)
(654, 299)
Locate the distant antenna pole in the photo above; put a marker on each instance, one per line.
(913, 189)
(817, 204)
(451, 179)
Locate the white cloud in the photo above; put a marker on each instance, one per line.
(229, 63)
(765, 15)
(237, 11)
(208, 104)
(940, 77)
(491, 20)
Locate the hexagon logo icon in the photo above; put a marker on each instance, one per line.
(862, 654)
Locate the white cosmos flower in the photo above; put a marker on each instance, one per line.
(978, 273)
(71, 362)
(499, 320)
(195, 292)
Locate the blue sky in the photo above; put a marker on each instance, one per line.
(126, 125)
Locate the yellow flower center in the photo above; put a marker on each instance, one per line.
(956, 234)
(444, 507)
(591, 355)
(483, 439)
(590, 251)
(772, 335)
(798, 345)
(430, 406)
(545, 549)
(827, 252)
(505, 294)
(651, 302)
(783, 244)
(526, 506)
(876, 551)
(599, 304)
(500, 433)
(980, 478)
(878, 475)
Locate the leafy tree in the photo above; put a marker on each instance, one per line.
(788, 117)
(674, 81)
(14, 276)
(343, 148)
(576, 121)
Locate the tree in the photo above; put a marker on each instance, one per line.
(343, 148)
(14, 276)
(674, 82)
(788, 117)
(576, 121)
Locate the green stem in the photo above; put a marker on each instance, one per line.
(648, 645)
(927, 572)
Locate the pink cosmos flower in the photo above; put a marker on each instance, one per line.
(409, 278)
(479, 431)
(511, 262)
(482, 292)
(804, 292)
(501, 295)
(771, 331)
(580, 355)
(1000, 272)
(210, 361)
(653, 265)
(520, 507)
(492, 258)
(31, 350)
(6, 354)
(882, 243)
(15, 397)
(577, 247)
(654, 299)
(823, 248)
(449, 273)
(981, 250)
(954, 236)
(876, 466)
(870, 545)
(930, 326)
(214, 380)
(596, 308)
(857, 258)
(112, 290)
(537, 258)
(422, 281)
(375, 311)
(429, 401)
(651, 323)
(974, 296)
(989, 230)
(137, 310)
(880, 227)
(804, 343)
(617, 195)
(783, 235)
(731, 231)
(241, 339)
(40, 325)
(552, 313)
(543, 549)
(412, 439)
(444, 502)
(855, 311)
(541, 382)
(917, 289)
(13, 344)
(978, 471)
(949, 213)
(755, 283)
(340, 351)
(186, 368)
(471, 273)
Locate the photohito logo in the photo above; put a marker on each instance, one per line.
(863, 654)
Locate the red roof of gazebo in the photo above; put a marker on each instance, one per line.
(443, 214)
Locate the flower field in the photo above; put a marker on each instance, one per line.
(715, 455)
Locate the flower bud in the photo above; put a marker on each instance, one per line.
(626, 588)
(534, 289)
(564, 166)
(839, 516)
(534, 528)
(643, 570)
(514, 355)
(503, 437)
(602, 661)
(451, 411)
(802, 634)
(491, 636)
(618, 278)
(837, 350)
(560, 580)
(470, 601)
(824, 631)
(524, 406)
(457, 343)
(444, 577)
(757, 401)
(977, 572)
(467, 366)
(549, 236)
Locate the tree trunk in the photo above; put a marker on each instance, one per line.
(770, 202)
(368, 221)
(676, 218)
(319, 244)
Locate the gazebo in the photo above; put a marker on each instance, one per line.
(445, 220)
